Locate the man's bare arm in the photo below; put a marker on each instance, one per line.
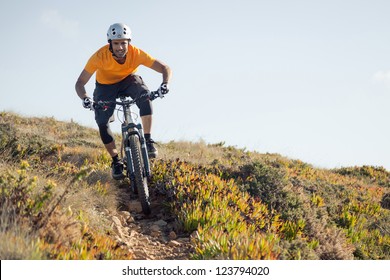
(163, 69)
(81, 82)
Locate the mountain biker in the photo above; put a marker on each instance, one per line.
(115, 65)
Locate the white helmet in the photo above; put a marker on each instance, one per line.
(118, 31)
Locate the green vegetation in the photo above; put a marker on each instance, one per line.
(235, 204)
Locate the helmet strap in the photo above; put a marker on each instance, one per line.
(110, 47)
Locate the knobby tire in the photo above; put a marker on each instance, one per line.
(141, 182)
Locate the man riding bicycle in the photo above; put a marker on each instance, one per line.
(115, 65)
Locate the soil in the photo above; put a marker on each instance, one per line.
(149, 237)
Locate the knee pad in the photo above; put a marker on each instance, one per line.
(106, 133)
(145, 108)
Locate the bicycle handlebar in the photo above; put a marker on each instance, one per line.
(103, 105)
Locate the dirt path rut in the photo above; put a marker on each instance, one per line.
(153, 237)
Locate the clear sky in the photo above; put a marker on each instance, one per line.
(307, 79)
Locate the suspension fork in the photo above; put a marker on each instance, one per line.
(126, 149)
(129, 128)
(144, 150)
(126, 129)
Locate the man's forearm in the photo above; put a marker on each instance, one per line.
(80, 89)
(81, 82)
(163, 69)
(166, 74)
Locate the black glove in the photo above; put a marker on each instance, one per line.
(87, 103)
(163, 89)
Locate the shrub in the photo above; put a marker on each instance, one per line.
(371, 174)
(385, 203)
(271, 185)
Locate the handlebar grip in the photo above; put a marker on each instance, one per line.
(155, 94)
(100, 105)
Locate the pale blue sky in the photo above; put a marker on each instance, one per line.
(309, 80)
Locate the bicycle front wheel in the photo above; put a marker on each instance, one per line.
(141, 182)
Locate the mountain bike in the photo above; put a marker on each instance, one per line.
(133, 148)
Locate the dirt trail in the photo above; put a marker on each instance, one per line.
(152, 237)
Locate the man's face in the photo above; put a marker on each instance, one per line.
(120, 47)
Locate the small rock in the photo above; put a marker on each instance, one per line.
(127, 221)
(172, 235)
(126, 217)
(116, 221)
(154, 228)
(161, 223)
(155, 233)
(139, 254)
(173, 243)
(144, 239)
(132, 233)
(183, 240)
(125, 214)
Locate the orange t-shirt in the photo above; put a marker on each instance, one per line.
(109, 71)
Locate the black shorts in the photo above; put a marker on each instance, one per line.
(131, 86)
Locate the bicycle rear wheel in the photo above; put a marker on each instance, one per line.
(141, 182)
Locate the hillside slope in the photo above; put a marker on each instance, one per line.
(209, 202)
